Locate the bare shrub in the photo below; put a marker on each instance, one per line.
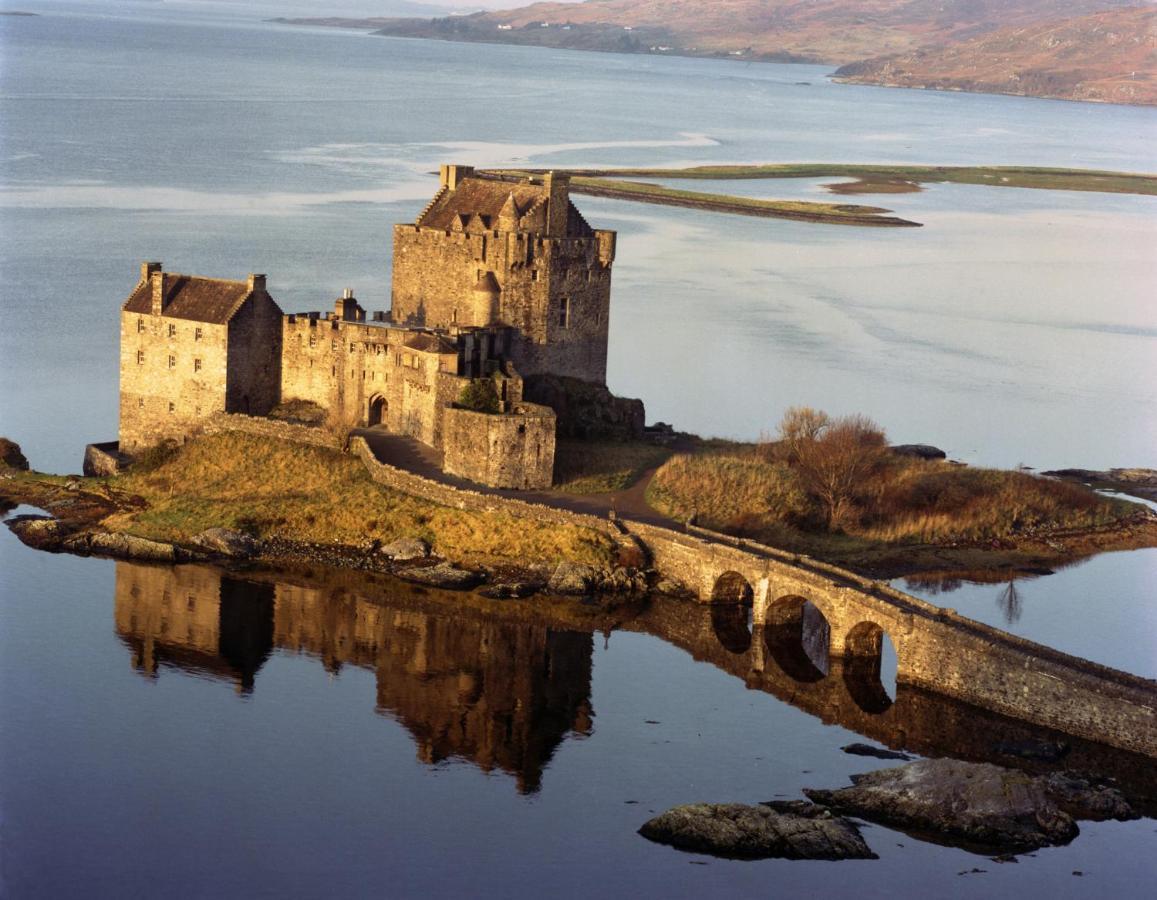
(836, 458)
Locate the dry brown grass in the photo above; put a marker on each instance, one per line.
(600, 467)
(275, 489)
(758, 493)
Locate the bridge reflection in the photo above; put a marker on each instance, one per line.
(502, 685)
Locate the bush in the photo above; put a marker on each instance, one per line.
(481, 396)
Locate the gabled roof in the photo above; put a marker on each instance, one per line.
(482, 197)
(430, 343)
(192, 297)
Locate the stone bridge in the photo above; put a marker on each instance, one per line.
(807, 613)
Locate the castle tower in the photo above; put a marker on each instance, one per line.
(552, 269)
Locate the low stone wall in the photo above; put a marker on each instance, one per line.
(102, 460)
(504, 450)
(272, 428)
(475, 501)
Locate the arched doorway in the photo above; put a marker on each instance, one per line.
(798, 638)
(870, 667)
(376, 414)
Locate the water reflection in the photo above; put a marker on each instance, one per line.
(502, 685)
(500, 694)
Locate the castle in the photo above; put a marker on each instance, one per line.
(495, 281)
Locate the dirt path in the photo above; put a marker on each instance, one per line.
(407, 453)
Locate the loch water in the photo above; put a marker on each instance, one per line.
(189, 732)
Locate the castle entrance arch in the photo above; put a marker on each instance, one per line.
(376, 413)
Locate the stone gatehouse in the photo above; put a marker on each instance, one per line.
(495, 280)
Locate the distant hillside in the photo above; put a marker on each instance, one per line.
(1110, 57)
(902, 42)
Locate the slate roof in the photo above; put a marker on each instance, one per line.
(480, 197)
(431, 343)
(192, 297)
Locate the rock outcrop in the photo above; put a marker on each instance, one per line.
(11, 456)
(406, 549)
(442, 575)
(737, 831)
(977, 806)
(228, 542)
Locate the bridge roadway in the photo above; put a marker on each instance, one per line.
(937, 649)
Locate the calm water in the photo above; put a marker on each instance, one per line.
(173, 732)
(258, 753)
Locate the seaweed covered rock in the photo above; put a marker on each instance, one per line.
(976, 805)
(737, 831)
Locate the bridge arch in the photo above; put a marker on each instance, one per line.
(865, 647)
(731, 623)
(798, 638)
(732, 587)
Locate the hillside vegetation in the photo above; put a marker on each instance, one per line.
(1079, 49)
(824, 485)
(280, 490)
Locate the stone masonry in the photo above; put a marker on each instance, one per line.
(495, 280)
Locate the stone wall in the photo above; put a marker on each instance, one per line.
(173, 377)
(272, 429)
(507, 450)
(253, 385)
(102, 460)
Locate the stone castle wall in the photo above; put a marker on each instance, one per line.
(554, 291)
(514, 450)
(253, 384)
(173, 377)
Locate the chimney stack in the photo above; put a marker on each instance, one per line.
(157, 283)
(147, 270)
(453, 175)
(256, 283)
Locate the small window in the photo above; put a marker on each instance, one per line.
(140, 403)
(140, 326)
(333, 344)
(312, 341)
(196, 365)
(172, 406)
(172, 331)
(172, 362)
(534, 275)
(564, 312)
(197, 410)
(196, 334)
(140, 357)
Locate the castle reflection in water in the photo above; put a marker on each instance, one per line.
(501, 694)
(501, 685)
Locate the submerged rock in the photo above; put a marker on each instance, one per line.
(406, 549)
(511, 590)
(443, 575)
(974, 805)
(877, 752)
(1044, 751)
(738, 831)
(1087, 797)
(228, 542)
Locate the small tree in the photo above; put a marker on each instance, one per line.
(835, 457)
(480, 395)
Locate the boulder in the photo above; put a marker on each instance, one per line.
(38, 532)
(123, 546)
(406, 549)
(919, 451)
(573, 578)
(228, 542)
(738, 831)
(11, 457)
(443, 575)
(973, 805)
(1087, 797)
(586, 410)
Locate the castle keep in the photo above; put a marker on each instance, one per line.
(496, 280)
